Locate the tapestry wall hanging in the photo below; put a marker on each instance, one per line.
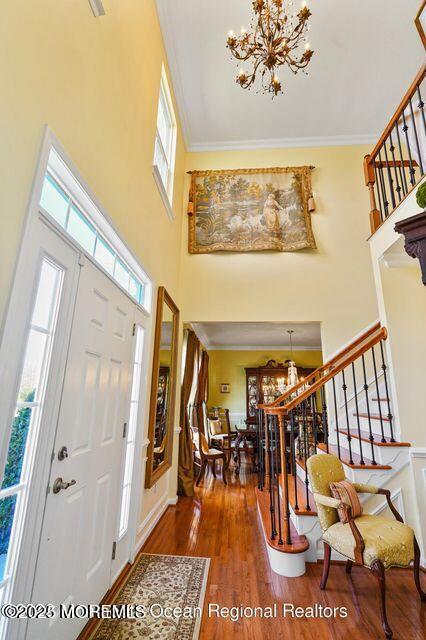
(251, 210)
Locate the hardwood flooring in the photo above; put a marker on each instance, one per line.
(222, 523)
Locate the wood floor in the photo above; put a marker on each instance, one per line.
(221, 522)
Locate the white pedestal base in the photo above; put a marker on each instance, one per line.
(290, 565)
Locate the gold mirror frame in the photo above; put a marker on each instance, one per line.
(419, 23)
(152, 475)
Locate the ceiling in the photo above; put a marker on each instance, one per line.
(366, 54)
(258, 335)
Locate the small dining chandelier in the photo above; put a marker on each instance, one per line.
(276, 38)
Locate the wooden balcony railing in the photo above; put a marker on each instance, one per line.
(398, 161)
(289, 433)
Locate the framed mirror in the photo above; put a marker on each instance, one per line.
(163, 389)
(421, 22)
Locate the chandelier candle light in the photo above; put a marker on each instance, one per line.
(276, 38)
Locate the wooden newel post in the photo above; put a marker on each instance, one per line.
(284, 479)
(370, 181)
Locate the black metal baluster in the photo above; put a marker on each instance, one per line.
(390, 179)
(410, 159)
(378, 394)
(324, 417)
(395, 167)
(336, 418)
(385, 376)
(271, 485)
(379, 199)
(416, 137)
(259, 450)
(357, 414)
(348, 429)
(421, 106)
(280, 535)
(370, 437)
(383, 185)
(293, 460)
(401, 155)
(299, 415)
(306, 447)
(314, 421)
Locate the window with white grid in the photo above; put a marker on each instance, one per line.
(165, 140)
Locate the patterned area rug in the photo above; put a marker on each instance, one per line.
(171, 590)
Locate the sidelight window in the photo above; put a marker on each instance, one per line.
(131, 433)
(25, 424)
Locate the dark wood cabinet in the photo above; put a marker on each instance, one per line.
(265, 384)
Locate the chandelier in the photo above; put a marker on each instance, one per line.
(275, 40)
(293, 376)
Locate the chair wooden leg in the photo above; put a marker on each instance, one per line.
(214, 468)
(202, 470)
(326, 565)
(224, 469)
(349, 565)
(422, 594)
(378, 570)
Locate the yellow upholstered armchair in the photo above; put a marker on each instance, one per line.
(374, 542)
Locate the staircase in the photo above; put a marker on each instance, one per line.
(343, 408)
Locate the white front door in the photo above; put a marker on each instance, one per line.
(83, 502)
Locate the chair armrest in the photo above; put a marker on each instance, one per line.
(365, 488)
(387, 493)
(327, 501)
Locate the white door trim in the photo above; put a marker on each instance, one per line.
(12, 344)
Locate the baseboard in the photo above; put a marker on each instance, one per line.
(173, 501)
(149, 522)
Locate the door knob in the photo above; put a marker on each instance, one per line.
(60, 485)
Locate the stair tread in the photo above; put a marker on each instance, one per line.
(365, 437)
(373, 416)
(380, 399)
(344, 457)
(301, 495)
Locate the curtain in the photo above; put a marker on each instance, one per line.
(185, 466)
(202, 394)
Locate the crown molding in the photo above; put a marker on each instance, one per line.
(235, 145)
(283, 143)
(284, 348)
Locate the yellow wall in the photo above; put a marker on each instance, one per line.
(95, 82)
(229, 366)
(333, 284)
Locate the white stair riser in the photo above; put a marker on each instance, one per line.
(382, 455)
(375, 424)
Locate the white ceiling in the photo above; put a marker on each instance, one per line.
(258, 335)
(366, 54)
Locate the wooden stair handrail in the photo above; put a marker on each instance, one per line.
(324, 366)
(409, 93)
(274, 410)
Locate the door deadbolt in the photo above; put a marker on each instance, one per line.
(60, 485)
(62, 453)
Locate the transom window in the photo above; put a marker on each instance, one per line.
(78, 216)
(165, 141)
